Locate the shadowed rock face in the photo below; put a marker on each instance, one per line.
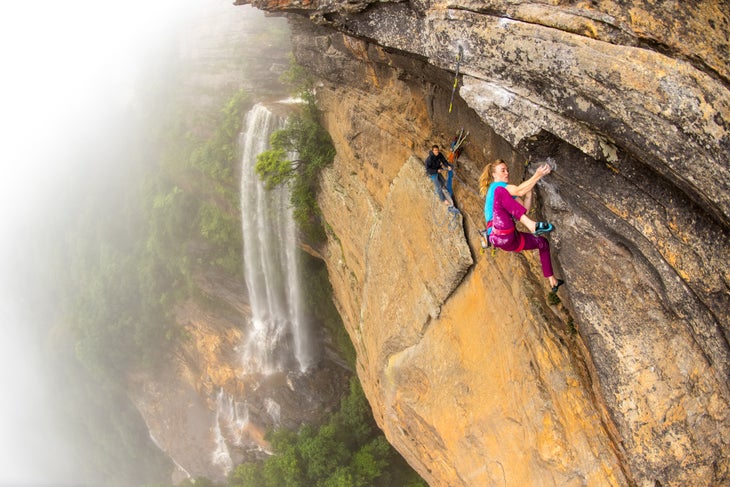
(471, 373)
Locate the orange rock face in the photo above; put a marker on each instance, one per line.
(474, 373)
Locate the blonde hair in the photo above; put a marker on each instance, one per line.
(487, 176)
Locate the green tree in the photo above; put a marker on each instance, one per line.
(321, 453)
(370, 461)
(247, 475)
(298, 152)
(341, 478)
(354, 420)
(284, 468)
(348, 450)
(301, 149)
(274, 167)
(297, 78)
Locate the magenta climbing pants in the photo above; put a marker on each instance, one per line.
(504, 235)
(519, 241)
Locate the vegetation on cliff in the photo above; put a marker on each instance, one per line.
(132, 266)
(123, 289)
(130, 257)
(348, 450)
(298, 152)
(318, 296)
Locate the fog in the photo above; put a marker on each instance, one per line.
(67, 67)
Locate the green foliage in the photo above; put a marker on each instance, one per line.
(354, 420)
(321, 453)
(341, 478)
(107, 312)
(129, 269)
(222, 231)
(571, 326)
(247, 474)
(298, 152)
(346, 451)
(216, 156)
(273, 167)
(128, 238)
(300, 81)
(369, 461)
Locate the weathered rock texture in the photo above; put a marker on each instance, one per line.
(472, 375)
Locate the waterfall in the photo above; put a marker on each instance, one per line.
(278, 331)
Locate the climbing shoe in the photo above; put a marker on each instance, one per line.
(543, 227)
(555, 287)
(484, 238)
(453, 209)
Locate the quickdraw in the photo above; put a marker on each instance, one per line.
(456, 78)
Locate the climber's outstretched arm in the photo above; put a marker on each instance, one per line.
(525, 187)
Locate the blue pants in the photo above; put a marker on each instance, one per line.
(439, 184)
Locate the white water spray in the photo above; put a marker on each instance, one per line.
(279, 330)
(232, 416)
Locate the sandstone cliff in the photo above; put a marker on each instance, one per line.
(474, 377)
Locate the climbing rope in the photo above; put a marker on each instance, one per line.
(454, 218)
(450, 220)
(466, 186)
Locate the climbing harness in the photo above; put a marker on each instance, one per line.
(456, 77)
(500, 231)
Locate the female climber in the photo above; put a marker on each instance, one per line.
(504, 205)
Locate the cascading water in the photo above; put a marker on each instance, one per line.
(279, 332)
(278, 336)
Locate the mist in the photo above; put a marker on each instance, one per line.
(70, 69)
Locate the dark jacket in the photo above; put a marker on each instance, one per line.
(434, 163)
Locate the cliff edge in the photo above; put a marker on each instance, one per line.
(475, 376)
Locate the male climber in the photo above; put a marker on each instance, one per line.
(436, 162)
